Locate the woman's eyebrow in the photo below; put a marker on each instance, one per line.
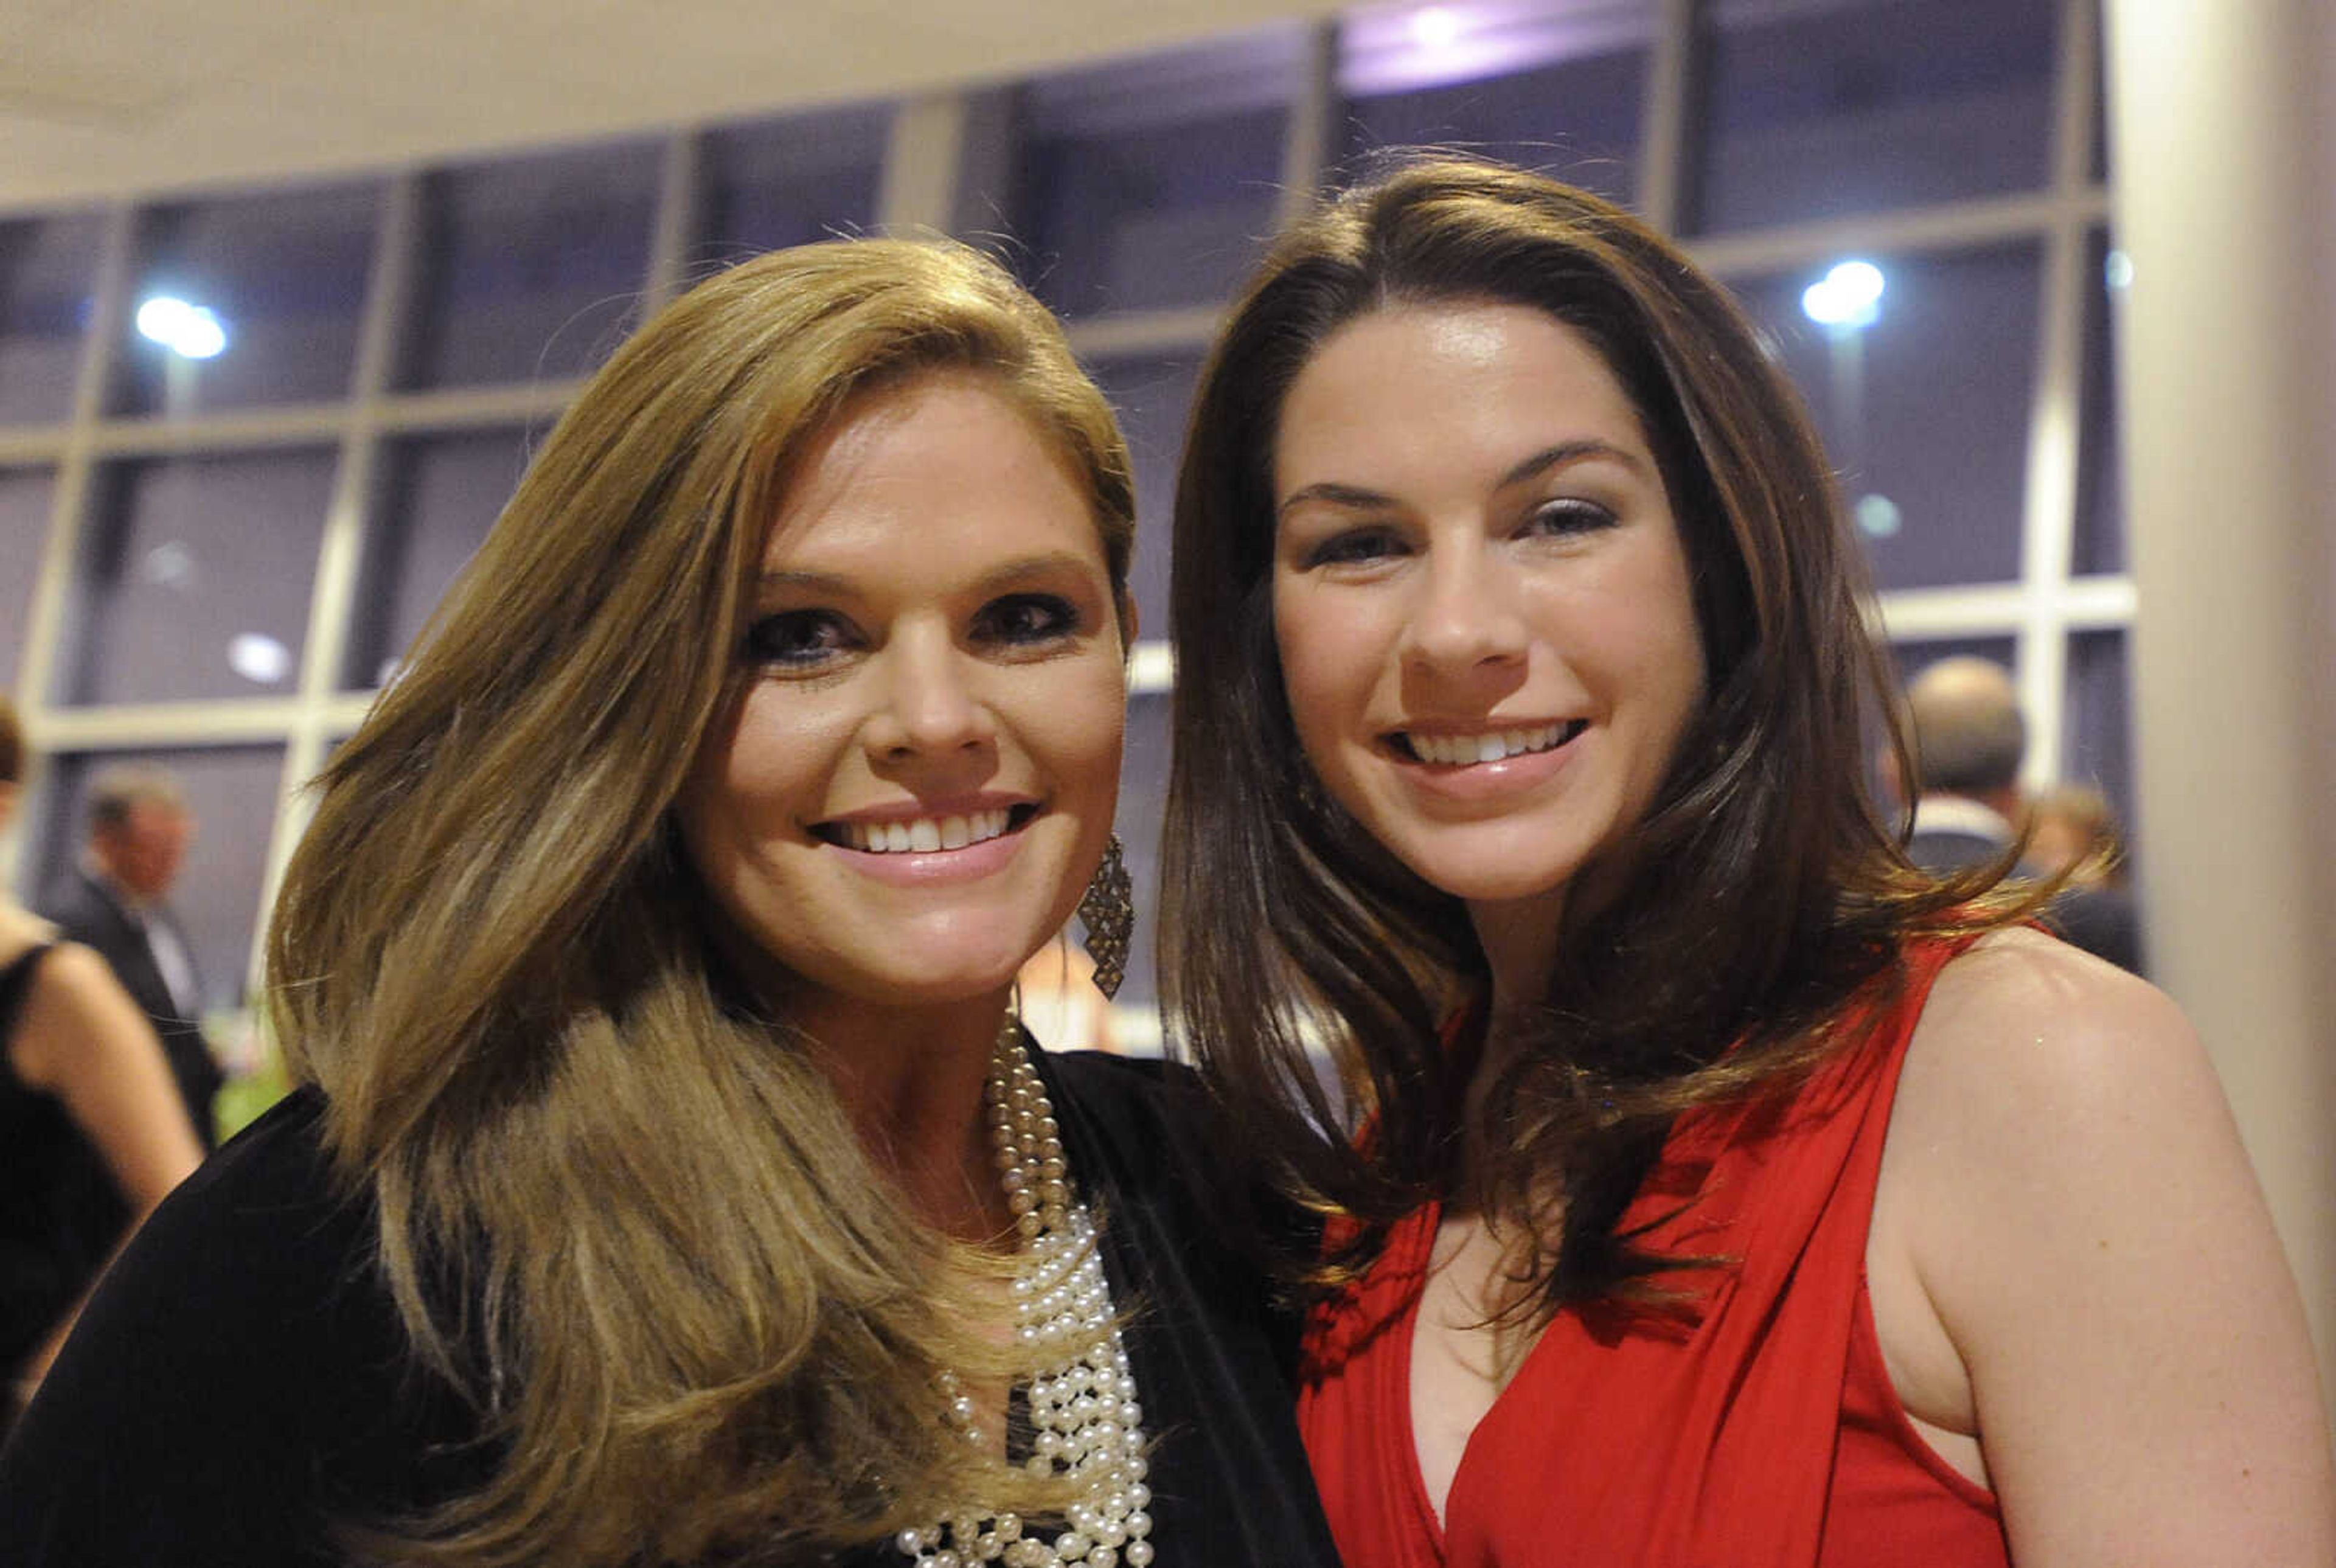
(811, 584)
(1566, 452)
(1041, 564)
(1540, 462)
(1335, 493)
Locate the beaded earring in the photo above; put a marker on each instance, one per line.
(1107, 912)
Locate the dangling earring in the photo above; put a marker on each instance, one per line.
(1107, 911)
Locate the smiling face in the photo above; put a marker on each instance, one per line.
(1481, 599)
(920, 774)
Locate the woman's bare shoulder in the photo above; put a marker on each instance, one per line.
(2022, 1021)
(2074, 1198)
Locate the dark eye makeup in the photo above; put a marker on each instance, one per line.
(1027, 620)
(799, 638)
(1353, 547)
(806, 641)
(1569, 515)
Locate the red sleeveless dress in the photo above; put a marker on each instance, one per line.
(1763, 1434)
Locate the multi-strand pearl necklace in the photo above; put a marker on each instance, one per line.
(1086, 1421)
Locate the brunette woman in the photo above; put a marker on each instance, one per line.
(672, 1182)
(1727, 1191)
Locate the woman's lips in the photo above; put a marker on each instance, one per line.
(946, 846)
(1492, 777)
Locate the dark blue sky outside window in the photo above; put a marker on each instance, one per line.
(285, 272)
(439, 495)
(195, 577)
(1153, 183)
(45, 267)
(1925, 412)
(532, 268)
(788, 181)
(1821, 110)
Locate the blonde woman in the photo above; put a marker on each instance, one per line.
(89, 1115)
(671, 1183)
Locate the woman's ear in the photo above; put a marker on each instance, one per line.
(8, 795)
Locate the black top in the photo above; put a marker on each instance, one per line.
(88, 912)
(241, 1376)
(59, 1210)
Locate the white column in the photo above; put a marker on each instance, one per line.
(2225, 114)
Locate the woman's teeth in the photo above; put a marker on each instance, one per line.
(925, 834)
(1461, 750)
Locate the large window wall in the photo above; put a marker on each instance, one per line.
(214, 563)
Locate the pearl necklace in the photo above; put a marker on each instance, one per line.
(1082, 1394)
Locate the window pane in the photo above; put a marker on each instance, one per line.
(1143, 806)
(2100, 478)
(286, 274)
(439, 495)
(789, 181)
(2096, 741)
(1924, 412)
(46, 268)
(1838, 106)
(24, 497)
(1153, 183)
(532, 268)
(1548, 87)
(195, 577)
(233, 793)
(1152, 398)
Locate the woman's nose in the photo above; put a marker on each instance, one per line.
(1465, 615)
(929, 705)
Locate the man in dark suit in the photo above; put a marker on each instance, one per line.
(115, 901)
(1969, 741)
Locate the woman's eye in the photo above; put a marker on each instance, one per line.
(1568, 517)
(798, 639)
(1355, 547)
(1020, 620)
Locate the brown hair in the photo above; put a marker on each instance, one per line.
(624, 1214)
(12, 743)
(1762, 890)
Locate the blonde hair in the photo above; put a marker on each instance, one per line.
(625, 1214)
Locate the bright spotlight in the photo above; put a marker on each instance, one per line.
(1878, 517)
(1434, 28)
(258, 657)
(190, 331)
(1848, 295)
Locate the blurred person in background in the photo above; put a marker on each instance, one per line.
(93, 1134)
(670, 1179)
(116, 901)
(2073, 828)
(1969, 739)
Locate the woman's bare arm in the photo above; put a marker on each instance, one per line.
(2085, 1223)
(82, 1039)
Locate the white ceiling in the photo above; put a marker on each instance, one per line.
(103, 97)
